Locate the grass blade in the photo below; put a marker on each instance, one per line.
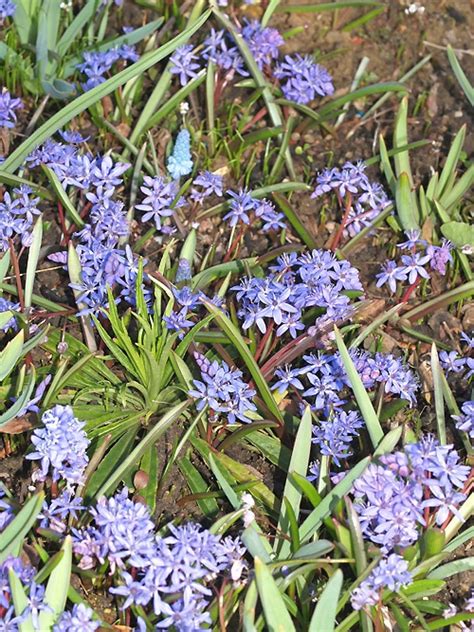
(11, 539)
(460, 75)
(363, 400)
(57, 588)
(134, 457)
(276, 614)
(323, 510)
(438, 394)
(324, 615)
(292, 493)
(33, 256)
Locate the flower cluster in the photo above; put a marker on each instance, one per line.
(409, 489)
(180, 162)
(103, 264)
(465, 421)
(61, 446)
(245, 209)
(97, 64)
(323, 383)
(7, 9)
(391, 573)
(223, 390)
(8, 107)
(412, 266)
(461, 364)
(79, 618)
(360, 199)
(17, 213)
(302, 79)
(315, 279)
(55, 515)
(171, 574)
(334, 436)
(34, 602)
(209, 184)
(159, 202)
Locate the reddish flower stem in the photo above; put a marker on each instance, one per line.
(338, 236)
(263, 341)
(16, 268)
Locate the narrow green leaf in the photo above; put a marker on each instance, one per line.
(326, 6)
(63, 197)
(292, 493)
(294, 220)
(452, 160)
(11, 539)
(197, 485)
(57, 588)
(10, 355)
(460, 75)
(133, 458)
(276, 614)
(452, 568)
(20, 403)
(323, 510)
(20, 601)
(363, 400)
(438, 394)
(33, 256)
(407, 213)
(324, 615)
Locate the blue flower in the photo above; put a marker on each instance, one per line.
(61, 446)
(183, 63)
(8, 106)
(391, 573)
(304, 79)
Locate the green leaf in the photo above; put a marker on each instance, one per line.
(33, 256)
(323, 510)
(273, 109)
(110, 462)
(20, 601)
(22, 400)
(404, 203)
(150, 438)
(438, 394)
(235, 337)
(327, 6)
(460, 75)
(276, 614)
(76, 26)
(57, 588)
(459, 233)
(149, 464)
(11, 539)
(324, 615)
(84, 101)
(292, 493)
(10, 355)
(63, 197)
(4, 265)
(423, 588)
(452, 160)
(452, 568)
(295, 221)
(363, 400)
(198, 485)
